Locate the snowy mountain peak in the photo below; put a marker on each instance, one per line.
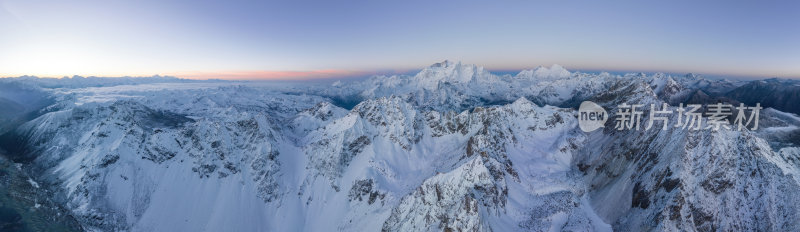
(449, 71)
(445, 63)
(554, 72)
(451, 148)
(522, 103)
(693, 77)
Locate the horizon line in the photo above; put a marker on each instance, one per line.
(266, 75)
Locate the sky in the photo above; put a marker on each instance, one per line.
(321, 39)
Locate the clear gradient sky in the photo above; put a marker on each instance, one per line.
(299, 39)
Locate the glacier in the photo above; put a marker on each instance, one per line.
(453, 147)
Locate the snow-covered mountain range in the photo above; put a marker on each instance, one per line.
(452, 148)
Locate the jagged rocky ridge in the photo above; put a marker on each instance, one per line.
(451, 148)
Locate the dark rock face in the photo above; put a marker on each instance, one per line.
(780, 94)
(365, 190)
(676, 179)
(352, 149)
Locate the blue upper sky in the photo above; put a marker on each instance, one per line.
(295, 39)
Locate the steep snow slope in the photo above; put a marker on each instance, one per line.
(678, 179)
(124, 163)
(451, 148)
